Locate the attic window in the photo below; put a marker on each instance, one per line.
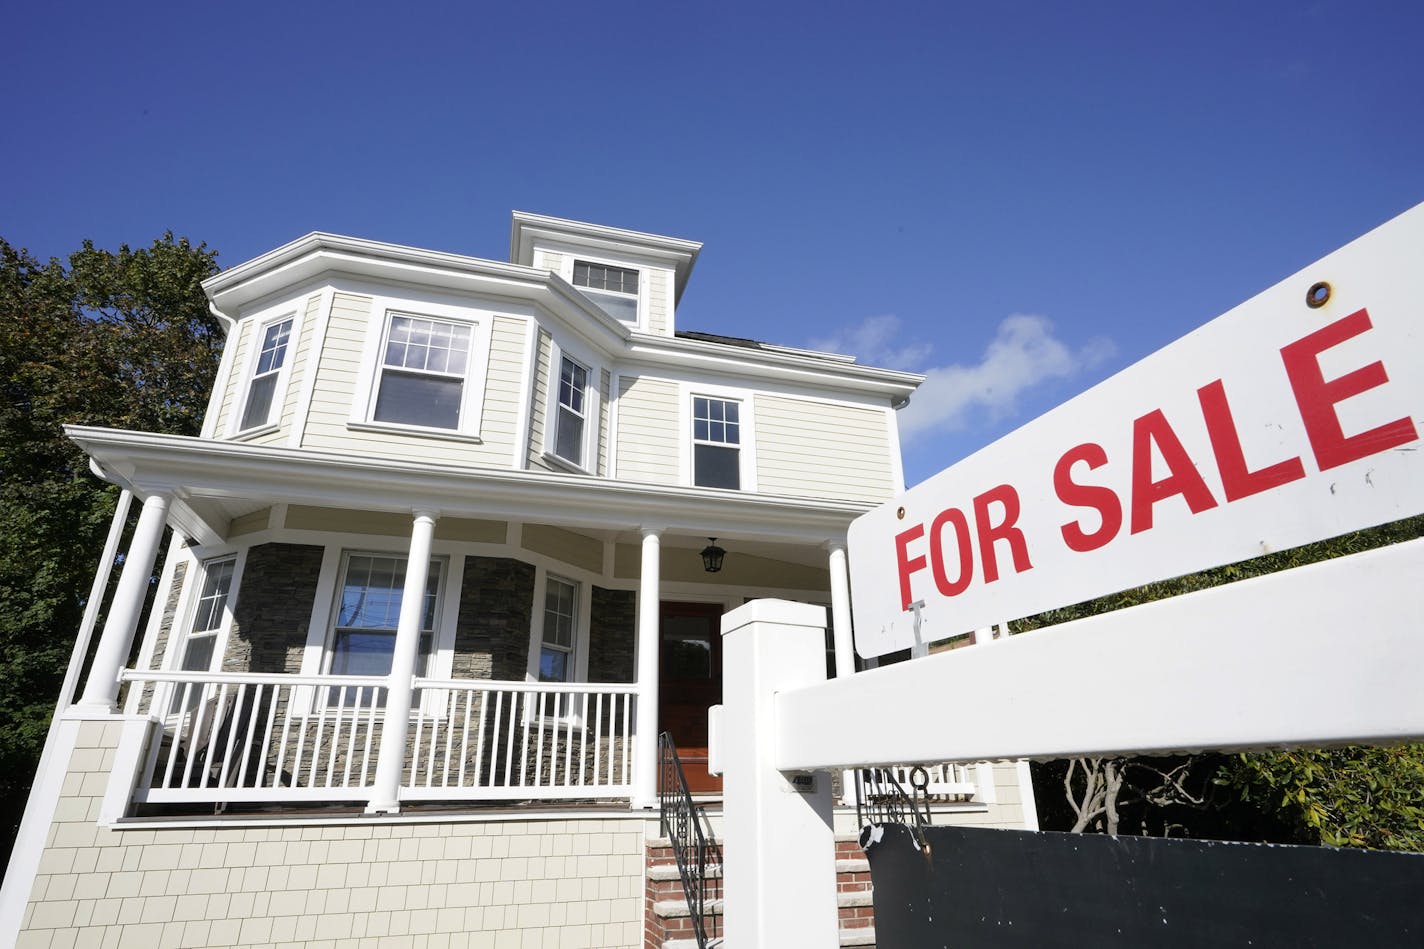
(614, 289)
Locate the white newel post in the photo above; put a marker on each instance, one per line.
(101, 691)
(840, 609)
(779, 877)
(645, 751)
(395, 727)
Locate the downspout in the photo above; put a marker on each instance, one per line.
(210, 417)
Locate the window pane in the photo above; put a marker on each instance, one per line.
(217, 584)
(410, 399)
(687, 656)
(716, 466)
(553, 665)
(259, 401)
(568, 441)
(620, 308)
(362, 653)
(199, 654)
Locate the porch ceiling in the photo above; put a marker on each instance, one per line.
(214, 481)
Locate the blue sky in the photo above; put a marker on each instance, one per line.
(1016, 198)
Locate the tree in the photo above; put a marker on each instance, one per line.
(121, 339)
(1355, 796)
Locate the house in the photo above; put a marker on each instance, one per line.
(519, 485)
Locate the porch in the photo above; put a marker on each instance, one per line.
(525, 652)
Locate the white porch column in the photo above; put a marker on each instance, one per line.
(840, 609)
(101, 691)
(645, 749)
(385, 794)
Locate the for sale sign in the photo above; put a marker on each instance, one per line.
(1292, 418)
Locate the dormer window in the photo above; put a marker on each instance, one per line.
(422, 373)
(614, 289)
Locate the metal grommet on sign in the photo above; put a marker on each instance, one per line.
(1318, 295)
(900, 514)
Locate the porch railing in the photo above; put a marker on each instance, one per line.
(245, 737)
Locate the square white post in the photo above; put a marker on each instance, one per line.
(779, 875)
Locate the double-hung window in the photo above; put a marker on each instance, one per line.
(614, 289)
(422, 372)
(368, 612)
(556, 653)
(261, 392)
(208, 617)
(716, 443)
(571, 417)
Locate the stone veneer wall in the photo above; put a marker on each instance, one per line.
(611, 635)
(492, 634)
(568, 882)
(269, 622)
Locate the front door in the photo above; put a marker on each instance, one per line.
(690, 683)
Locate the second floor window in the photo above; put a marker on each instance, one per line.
(572, 411)
(716, 443)
(270, 360)
(422, 372)
(614, 289)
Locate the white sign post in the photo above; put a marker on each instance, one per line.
(1292, 418)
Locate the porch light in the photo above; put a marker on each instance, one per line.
(712, 556)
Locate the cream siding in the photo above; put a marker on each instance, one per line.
(335, 390)
(605, 397)
(659, 302)
(820, 450)
(548, 260)
(538, 407)
(504, 381)
(565, 546)
(648, 446)
(233, 384)
(296, 371)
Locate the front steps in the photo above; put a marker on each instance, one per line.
(668, 922)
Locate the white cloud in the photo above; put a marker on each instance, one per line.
(1024, 353)
(874, 342)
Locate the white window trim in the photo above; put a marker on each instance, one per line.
(317, 653)
(645, 273)
(746, 455)
(592, 402)
(183, 616)
(363, 401)
(260, 323)
(582, 621)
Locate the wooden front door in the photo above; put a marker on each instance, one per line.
(690, 683)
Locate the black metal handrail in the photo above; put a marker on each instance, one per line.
(682, 823)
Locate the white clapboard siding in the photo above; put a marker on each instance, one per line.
(232, 385)
(336, 389)
(648, 447)
(504, 389)
(816, 449)
(605, 400)
(539, 406)
(659, 302)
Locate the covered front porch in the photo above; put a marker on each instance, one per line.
(525, 653)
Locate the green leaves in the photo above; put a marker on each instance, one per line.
(121, 339)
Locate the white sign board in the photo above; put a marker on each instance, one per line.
(1276, 424)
